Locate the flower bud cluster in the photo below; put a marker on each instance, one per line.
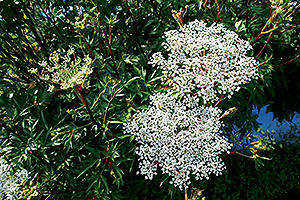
(65, 71)
(206, 60)
(179, 136)
(10, 180)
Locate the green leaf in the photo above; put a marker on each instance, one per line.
(91, 185)
(115, 122)
(124, 136)
(155, 79)
(93, 151)
(3, 100)
(44, 120)
(131, 138)
(88, 167)
(105, 184)
(117, 170)
(164, 178)
(121, 160)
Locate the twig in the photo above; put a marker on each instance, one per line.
(108, 44)
(85, 104)
(264, 46)
(219, 101)
(288, 28)
(106, 111)
(287, 62)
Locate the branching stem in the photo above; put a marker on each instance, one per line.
(85, 104)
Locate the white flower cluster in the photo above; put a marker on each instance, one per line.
(206, 60)
(179, 136)
(175, 133)
(64, 70)
(9, 181)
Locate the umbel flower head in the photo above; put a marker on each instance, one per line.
(178, 136)
(205, 60)
(9, 181)
(65, 71)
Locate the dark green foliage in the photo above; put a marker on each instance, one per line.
(277, 178)
(76, 154)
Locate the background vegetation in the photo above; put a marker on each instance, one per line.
(73, 145)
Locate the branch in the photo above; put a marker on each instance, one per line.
(287, 62)
(288, 28)
(85, 104)
(264, 45)
(108, 44)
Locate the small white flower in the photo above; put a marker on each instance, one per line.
(175, 133)
(206, 60)
(9, 181)
(179, 136)
(51, 88)
(66, 72)
(43, 63)
(33, 70)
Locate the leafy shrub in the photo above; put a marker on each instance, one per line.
(71, 139)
